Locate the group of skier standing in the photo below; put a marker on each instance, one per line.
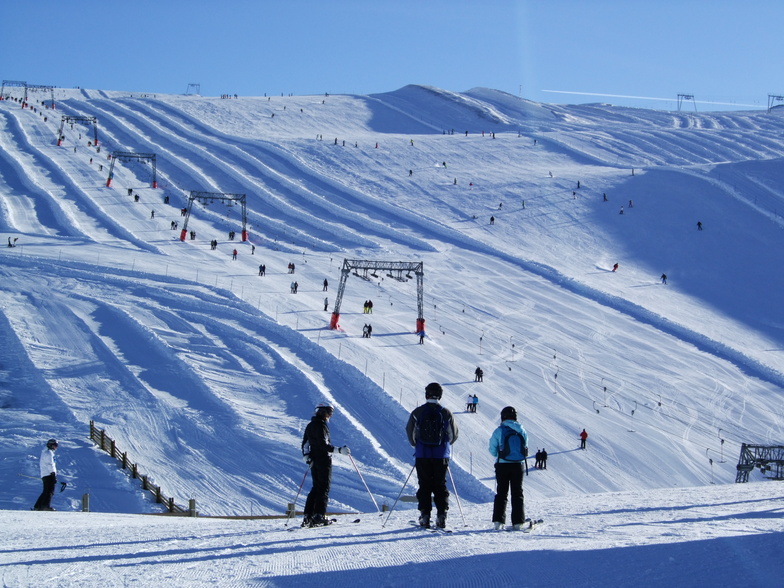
(431, 430)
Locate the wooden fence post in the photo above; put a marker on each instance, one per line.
(108, 445)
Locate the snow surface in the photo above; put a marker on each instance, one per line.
(206, 373)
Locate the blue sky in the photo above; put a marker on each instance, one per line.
(719, 51)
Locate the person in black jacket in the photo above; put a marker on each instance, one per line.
(317, 450)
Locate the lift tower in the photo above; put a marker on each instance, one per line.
(129, 156)
(82, 119)
(206, 198)
(397, 270)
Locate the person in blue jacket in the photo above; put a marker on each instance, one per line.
(509, 445)
(431, 430)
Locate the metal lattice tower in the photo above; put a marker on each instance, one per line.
(13, 84)
(766, 457)
(402, 272)
(44, 88)
(73, 119)
(210, 197)
(682, 97)
(129, 156)
(772, 99)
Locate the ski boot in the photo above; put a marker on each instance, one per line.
(441, 520)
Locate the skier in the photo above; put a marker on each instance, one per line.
(48, 476)
(615, 267)
(538, 464)
(664, 279)
(583, 437)
(326, 303)
(234, 254)
(509, 445)
(699, 225)
(544, 459)
(476, 403)
(316, 450)
(492, 220)
(469, 403)
(432, 431)
(326, 285)
(478, 374)
(262, 269)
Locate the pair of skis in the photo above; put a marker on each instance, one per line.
(529, 526)
(332, 521)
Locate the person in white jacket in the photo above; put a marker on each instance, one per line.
(48, 476)
(509, 445)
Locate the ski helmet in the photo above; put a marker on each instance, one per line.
(51, 444)
(434, 390)
(508, 413)
(324, 409)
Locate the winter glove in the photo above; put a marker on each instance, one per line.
(344, 450)
(306, 459)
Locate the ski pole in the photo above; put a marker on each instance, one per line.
(294, 504)
(62, 484)
(398, 496)
(460, 506)
(363, 481)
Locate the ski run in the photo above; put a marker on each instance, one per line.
(609, 269)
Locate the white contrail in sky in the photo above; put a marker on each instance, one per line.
(650, 98)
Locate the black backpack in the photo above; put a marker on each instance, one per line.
(430, 428)
(512, 445)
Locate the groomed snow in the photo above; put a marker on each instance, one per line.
(206, 373)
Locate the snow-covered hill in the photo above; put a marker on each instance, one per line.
(206, 372)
